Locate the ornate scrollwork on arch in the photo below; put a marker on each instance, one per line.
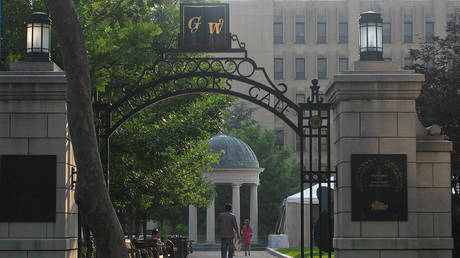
(172, 76)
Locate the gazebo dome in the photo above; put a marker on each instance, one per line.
(237, 153)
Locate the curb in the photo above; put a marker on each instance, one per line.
(276, 253)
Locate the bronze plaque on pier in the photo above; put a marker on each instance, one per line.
(379, 187)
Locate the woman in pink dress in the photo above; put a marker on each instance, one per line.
(247, 235)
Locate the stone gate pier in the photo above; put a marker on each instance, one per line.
(374, 113)
(38, 215)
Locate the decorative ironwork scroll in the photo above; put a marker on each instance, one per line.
(174, 76)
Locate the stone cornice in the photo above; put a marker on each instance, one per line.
(235, 175)
(370, 87)
(32, 86)
(393, 243)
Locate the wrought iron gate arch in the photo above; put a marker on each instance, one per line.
(146, 94)
(208, 73)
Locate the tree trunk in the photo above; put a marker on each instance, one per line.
(130, 224)
(137, 225)
(91, 193)
(144, 227)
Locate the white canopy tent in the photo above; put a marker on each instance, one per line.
(290, 215)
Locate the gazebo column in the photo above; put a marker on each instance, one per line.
(210, 223)
(254, 211)
(192, 223)
(236, 202)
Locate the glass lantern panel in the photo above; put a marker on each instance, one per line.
(37, 38)
(46, 38)
(29, 38)
(363, 38)
(379, 38)
(372, 36)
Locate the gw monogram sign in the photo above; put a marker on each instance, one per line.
(204, 27)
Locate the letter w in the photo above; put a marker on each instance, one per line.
(216, 26)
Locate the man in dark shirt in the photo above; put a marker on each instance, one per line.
(228, 226)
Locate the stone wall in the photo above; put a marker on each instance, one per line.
(374, 113)
(33, 121)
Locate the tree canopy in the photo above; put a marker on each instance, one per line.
(439, 101)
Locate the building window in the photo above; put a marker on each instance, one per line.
(322, 68)
(429, 32)
(299, 32)
(408, 32)
(300, 98)
(299, 68)
(321, 32)
(343, 64)
(343, 32)
(278, 33)
(386, 37)
(408, 61)
(279, 138)
(278, 68)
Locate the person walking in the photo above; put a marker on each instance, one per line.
(247, 236)
(228, 226)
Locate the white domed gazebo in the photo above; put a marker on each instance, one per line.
(238, 165)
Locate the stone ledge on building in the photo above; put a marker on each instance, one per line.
(389, 83)
(394, 243)
(434, 146)
(38, 244)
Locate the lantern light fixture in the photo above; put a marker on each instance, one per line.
(38, 37)
(370, 36)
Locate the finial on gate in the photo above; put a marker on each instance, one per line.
(314, 98)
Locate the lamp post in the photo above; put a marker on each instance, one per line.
(38, 38)
(370, 36)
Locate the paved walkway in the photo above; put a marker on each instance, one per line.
(216, 254)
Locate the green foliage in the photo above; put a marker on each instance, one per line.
(182, 229)
(123, 38)
(157, 156)
(240, 114)
(279, 179)
(439, 101)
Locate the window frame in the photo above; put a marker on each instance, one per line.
(322, 40)
(320, 77)
(347, 67)
(429, 39)
(386, 39)
(278, 39)
(298, 96)
(408, 38)
(343, 38)
(301, 73)
(278, 75)
(300, 39)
